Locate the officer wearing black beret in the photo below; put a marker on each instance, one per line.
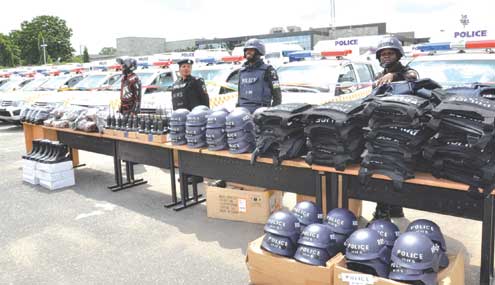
(188, 91)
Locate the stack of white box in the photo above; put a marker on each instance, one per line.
(51, 176)
(29, 172)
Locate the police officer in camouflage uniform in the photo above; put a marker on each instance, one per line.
(188, 91)
(258, 82)
(389, 53)
(130, 90)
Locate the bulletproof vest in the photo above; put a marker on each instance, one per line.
(409, 141)
(280, 132)
(182, 91)
(335, 134)
(397, 111)
(254, 90)
(337, 114)
(422, 88)
(476, 177)
(390, 165)
(468, 113)
(477, 90)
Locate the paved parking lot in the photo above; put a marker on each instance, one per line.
(88, 234)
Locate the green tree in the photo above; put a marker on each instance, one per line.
(85, 55)
(9, 52)
(51, 30)
(108, 51)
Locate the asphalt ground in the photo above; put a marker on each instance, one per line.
(86, 234)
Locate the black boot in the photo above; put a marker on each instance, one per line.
(62, 154)
(51, 151)
(44, 144)
(35, 149)
(396, 211)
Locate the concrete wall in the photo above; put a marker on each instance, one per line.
(136, 46)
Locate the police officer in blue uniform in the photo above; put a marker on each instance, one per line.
(258, 82)
(188, 91)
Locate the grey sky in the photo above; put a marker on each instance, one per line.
(97, 24)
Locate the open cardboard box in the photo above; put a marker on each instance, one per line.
(267, 268)
(452, 275)
(252, 204)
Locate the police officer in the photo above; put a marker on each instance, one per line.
(258, 82)
(188, 91)
(389, 53)
(130, 91)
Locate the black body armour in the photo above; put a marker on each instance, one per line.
(280, 132)
(335, 134)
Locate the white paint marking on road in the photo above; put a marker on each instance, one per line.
(94, 213)
(105, 206)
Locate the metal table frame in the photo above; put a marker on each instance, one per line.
(130, 152)
(298, 180)
(426, 198)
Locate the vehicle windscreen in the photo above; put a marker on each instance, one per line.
(307, 78)
(33, 85)
(211, 74)
(12, 83)
(55, 83)
(456, 72)
(90, 82)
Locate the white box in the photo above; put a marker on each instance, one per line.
(55, 176)
(54, 167)
(31, 179)
(54, 185)
(28, 164)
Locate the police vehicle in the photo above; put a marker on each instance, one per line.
(13, 102)
(456, 64)
(323, 78)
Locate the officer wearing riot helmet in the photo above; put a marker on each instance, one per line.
(258, 82)
(389, 53)
(130, 91)
(188, 91)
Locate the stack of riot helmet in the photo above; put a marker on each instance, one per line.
(178, 126)
(415, 258)
(216, 136)
(316, 245)
(463, 148)
(367, 252)
(240, 131)
(334, 133)
(432, 231)
(342, 223)
(282, 232)
(196, 126)
(398, 114)
(307, 213)
(280, 132)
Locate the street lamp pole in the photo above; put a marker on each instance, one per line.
(44, 50)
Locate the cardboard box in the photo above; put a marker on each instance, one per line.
(452, 275)
(242, 205)
(30, 178)
(118, 133)
(267, 268)
(54, 176)
(29, 164)
(58, 184)
(145, 137)
(54, 167)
